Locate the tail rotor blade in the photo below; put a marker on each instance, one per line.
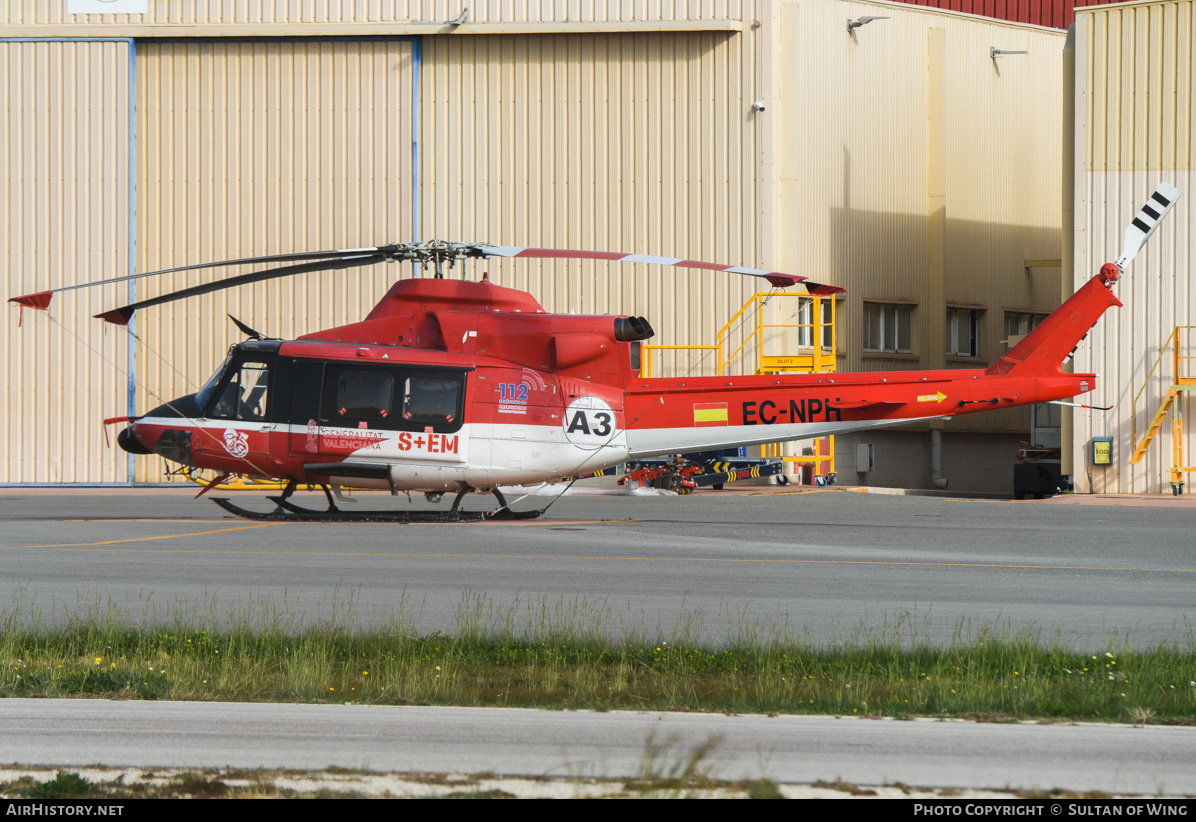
(1148, 219)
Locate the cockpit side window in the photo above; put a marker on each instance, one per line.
(246, 393)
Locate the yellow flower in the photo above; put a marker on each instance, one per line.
(99, 660)
(365, 673)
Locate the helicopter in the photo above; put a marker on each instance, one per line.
(457, 386)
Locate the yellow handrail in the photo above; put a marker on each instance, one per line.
(648, 360)
(1180, 385)
(821, 358)
(1173, 337)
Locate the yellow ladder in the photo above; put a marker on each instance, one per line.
(1182, 382)
(1155, 424)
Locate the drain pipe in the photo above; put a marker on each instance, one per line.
(936, 459)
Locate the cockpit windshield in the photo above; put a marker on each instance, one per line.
(205, 394)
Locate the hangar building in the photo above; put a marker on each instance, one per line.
(904, 160)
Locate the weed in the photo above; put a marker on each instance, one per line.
(763, 789)
(665, 771)
(845, 787)
(201, 785)
(62, 786)
(1141, 716)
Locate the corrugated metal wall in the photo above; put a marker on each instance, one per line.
(866, 161)
(253, 148)
(192, 12)
(1136, 78)
(637, 143)
(64, 192)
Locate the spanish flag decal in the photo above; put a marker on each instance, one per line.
(709, 413)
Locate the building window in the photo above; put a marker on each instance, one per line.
(805, 323)
(887, 327)
(963, 332)
(1018, 325)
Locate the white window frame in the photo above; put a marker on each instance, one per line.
(963, 332)
(1023, 322)
(893, 324)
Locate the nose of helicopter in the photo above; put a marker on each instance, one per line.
(127, 440)
(158, 433)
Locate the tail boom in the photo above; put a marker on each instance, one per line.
(666, 416)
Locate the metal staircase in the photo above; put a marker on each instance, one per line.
(1183, 381)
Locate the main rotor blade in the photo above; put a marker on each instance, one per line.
(42, 298)
(1148, 219)
(120, 316)
(777, 278)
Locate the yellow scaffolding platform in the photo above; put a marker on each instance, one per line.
(817, 340)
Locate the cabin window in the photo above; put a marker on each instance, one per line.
(245, 394)
(363, 395)
(430, 400)
(392, 398)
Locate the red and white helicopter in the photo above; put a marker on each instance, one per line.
(456, 386)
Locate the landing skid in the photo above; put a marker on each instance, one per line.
(287, 511)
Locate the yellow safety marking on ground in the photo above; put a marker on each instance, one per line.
(576, 557)
(138, 539)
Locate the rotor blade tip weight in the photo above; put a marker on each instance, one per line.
(822, 290)
(783, 280)
(117, 316)
(40, 300)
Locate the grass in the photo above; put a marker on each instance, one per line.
(561, 655)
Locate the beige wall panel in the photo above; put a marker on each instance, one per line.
(1141, 71)
(253, 148)
(1158, 295)
(865, 165)
(64, 193)
(1135, 65)
(638, 143)
(192, 12)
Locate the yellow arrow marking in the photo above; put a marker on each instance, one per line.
(936, 397)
